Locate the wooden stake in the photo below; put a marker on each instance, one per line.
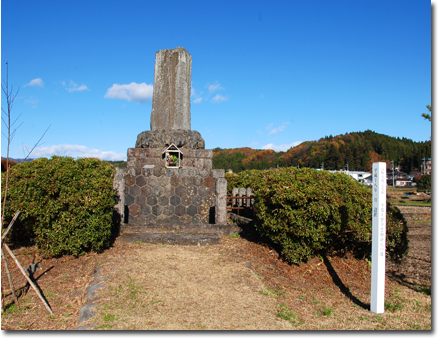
(9, 278)
(10, 224)
(28, 278)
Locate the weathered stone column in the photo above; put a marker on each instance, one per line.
(171, 103)
(221, 201)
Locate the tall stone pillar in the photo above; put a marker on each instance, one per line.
(171, 103)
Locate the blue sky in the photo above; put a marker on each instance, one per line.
(265, 74)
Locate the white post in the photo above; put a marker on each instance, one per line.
(378, 237)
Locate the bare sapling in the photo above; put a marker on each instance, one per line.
(10, 124)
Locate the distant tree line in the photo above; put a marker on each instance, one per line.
(354, 151)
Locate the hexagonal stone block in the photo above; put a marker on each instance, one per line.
(129, 199)
(147, 171)
(145, 209)
(134, 210)
(202, 191)
(204, 172)
(140, 200)
(153, 181)
(163, 200)
(126, 190)
(175, 181)
(192, 172)
(205, 219)
(197, 219)
(185, 219)
(140, 181)
(157, 210)
(151, 200)
(197, 200)
(168, 190)
(197, 181)
(175, 200)
(191, 210)
(185, 200)
(150, 218)
(134, 190)
(186, 181)
(203, 210)
(158, 172)
(163, 181)
(209, 182)
(180, 210)
(140, 219)
(181, 172)
(209, 200)
(170, 172)
(157, 190)
(129, 180)
(174, 219)
(168, 210)
(180, 191)
(146, 191)
(191, 190)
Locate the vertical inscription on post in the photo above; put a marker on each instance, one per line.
(378, 237)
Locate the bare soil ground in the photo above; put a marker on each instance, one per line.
(240, 284)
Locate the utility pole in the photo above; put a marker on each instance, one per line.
(393, 174)
(323, 165)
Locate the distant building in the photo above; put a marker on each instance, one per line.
(400, 179)
(426, 166)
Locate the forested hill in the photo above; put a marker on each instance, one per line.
(358, 150)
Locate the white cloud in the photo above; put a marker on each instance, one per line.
(215, 87)
(31, 101)
(130, 92)
(35, 82)
(77, 151)
(74, 87)
(218, 98)
(269, 126)
(282, 148)
(197, 96)
(279, 129)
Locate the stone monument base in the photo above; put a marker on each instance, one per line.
(185, 139)
(177, 234)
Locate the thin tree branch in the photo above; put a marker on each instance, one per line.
(28, 279)
(9, 277)
(10, 225)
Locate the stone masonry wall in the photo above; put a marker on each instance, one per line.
(169, 195)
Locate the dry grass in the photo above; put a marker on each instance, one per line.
(238, 285)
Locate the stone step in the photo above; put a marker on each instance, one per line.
(191, 239)
(221, 230)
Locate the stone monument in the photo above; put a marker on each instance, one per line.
(169, 184)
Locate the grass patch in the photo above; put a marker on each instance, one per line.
(327, 311)
(393, 306)
(409, 203)
(234, 235)
(286, 314)
(108, 317)
(424, 289)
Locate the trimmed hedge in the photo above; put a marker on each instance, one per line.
(66, 205)
(309, 212)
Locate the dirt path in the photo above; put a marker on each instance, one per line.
(183, 288)
(237, 285)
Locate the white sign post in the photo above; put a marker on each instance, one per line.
(378, 237)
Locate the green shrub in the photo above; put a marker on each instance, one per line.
(309, 212)
(423, 183)
(66, 205)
